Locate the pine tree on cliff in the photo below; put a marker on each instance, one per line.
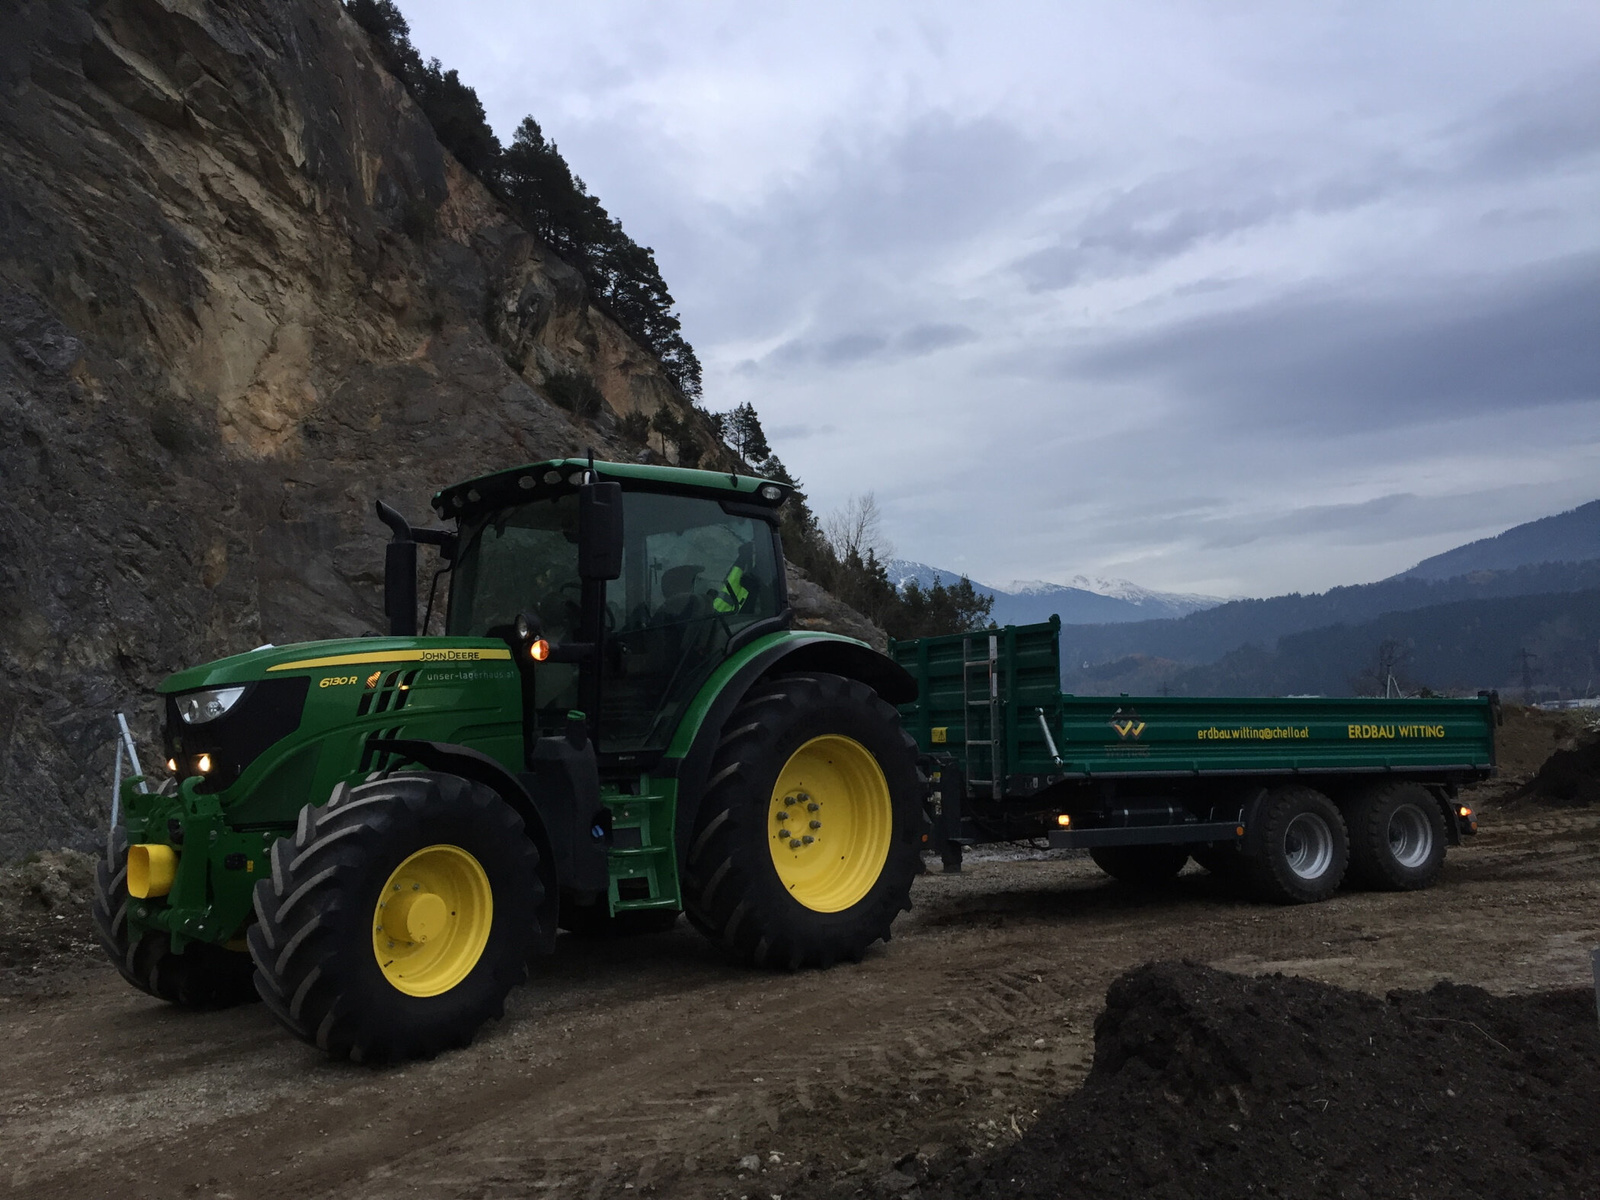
(535, 181)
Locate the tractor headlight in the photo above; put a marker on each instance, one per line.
(196, 708)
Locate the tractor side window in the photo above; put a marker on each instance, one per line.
(693, 576)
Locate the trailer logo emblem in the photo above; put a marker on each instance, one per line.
(1127, 724)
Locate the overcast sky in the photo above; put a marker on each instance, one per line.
(1228, 298)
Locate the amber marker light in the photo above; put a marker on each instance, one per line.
(1465, 811)
(1063, 820)
(539, 649)
(203, 764)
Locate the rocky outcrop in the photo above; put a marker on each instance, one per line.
(817, 608)
(243, 291)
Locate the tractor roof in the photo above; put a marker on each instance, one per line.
(562, 474)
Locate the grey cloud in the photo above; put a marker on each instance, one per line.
(924, 339)
(1340, 361)
(1153, 221)
(851, 349)
(1166, 216)
(1534, 131)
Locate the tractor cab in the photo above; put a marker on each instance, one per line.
(689, 569)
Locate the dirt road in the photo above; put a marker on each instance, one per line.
(652, 1066)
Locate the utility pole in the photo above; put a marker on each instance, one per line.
(1528, 672)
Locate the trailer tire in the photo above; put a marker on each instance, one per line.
(201, 977)
(788, 901)
(1296, 848)
(326, 965)
(1397, 838)
(1141, 866)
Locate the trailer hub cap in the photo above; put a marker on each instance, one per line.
(830, 823)
(432, 920)
(1308, 846)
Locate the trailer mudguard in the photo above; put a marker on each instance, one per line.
(452, 759)
(779, 654)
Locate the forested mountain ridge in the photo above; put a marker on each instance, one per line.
(1572, 536)
(1206, 636)
(1528, 646)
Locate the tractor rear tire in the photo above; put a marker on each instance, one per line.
(809, 832)
(201, 977)
(1397, 838)
(1296, 849)
(1141, 866)
(345, 920)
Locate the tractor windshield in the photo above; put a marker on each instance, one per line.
(520, 559)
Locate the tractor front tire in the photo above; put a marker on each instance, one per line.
(397, 918)
(809, 832)
(201, 977)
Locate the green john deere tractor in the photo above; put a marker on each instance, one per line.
(620, 724)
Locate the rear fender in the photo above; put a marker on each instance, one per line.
(786, 654)
(451, 759)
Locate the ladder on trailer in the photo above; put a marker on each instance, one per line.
(980, 674)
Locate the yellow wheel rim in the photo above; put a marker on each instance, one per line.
(432, 920)
(830, 823)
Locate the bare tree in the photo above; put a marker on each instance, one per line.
(856, 530)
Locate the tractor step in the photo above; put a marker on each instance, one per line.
(643, 860)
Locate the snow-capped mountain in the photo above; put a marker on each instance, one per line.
(1083, 600)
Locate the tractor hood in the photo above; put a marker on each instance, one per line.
(336, 656)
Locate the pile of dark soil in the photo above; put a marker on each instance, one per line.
(1526, 736)
(1571, 775)
(1207, 1084)
(45, 920)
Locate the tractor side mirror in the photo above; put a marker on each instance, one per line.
(599, 531)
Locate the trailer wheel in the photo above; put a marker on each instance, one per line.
(201, 977)
(397, 917)
(1141, 866)
(807, 837)
(1296, 849)
(1397, 838)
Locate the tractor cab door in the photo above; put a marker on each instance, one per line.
(694, 576)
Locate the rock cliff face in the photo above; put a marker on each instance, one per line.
(243, 291)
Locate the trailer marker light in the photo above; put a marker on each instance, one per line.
(203, 764)
(1063, 820)
(1238, 831)
(539, 649)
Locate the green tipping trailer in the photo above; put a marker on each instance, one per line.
(1289, 795)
